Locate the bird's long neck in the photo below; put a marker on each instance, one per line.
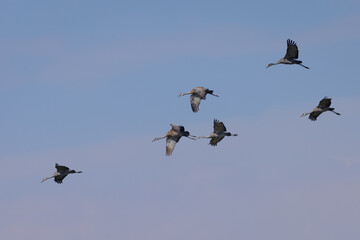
(272, 64)
(204, 137)
(187, 93)
(158, 138)
(304, 114)
(47, 178)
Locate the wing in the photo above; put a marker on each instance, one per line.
(214, 141)
(324, 103)
(219, 127)
(61, 169)
(200, 91)
(170, 145)
(177, 128)
(313, 115)
(195, 102)
(292, 51)
(59, 178)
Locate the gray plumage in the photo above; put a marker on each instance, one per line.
(324, 106)
(218, 134)
(173, 136)
(292, 53)
(197, 94)
(61, 173)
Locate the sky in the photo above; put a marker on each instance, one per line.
(89, 84)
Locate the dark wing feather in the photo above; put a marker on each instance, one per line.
(292, 51)
(313, 115)
(59, 178)
(324, 103)
(195, 102)
(214, 141)
(219, 127)
(61, 169)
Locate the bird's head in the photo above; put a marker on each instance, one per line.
(181, 94)
(44, 179)
(269, 65)
(303, 114)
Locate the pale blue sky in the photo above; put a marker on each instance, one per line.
(89, 84)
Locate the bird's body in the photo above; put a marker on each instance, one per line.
(292, 53)
(173, 136)
(198, 94)
(218, 134)
(61, 173)
(324, 106)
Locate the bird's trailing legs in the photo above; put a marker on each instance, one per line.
(335, 112)
(304, 66)
(191, 137)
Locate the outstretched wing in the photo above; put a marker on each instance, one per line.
(219, 127)
(313, 115)
(292, 51)
(214, 141)
(177, 128)
(195, 102)
(170, 145)
(61, 169)
(324, 103)
(59, 178)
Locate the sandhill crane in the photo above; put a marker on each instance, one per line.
(324, 105)
(173, 136)
(197, 94)
(61, 173)
(218, 134)
(292, 53)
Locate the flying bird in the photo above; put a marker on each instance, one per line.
(61, 173)
(292, 53)
(324, 106)
(218, 134)
(173, 136)
(198, 94)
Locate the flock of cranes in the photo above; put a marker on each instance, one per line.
(199, 93)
